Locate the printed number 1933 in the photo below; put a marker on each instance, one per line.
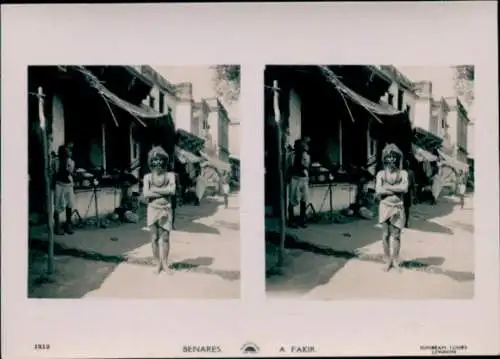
(41, 346)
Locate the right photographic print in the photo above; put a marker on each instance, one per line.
(369, 181)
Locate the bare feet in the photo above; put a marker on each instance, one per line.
(169, 271)
(158, 269)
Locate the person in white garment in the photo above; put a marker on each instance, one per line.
(437, 183)
(462, 187)
(159, 188)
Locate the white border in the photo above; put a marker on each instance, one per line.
(253, 35)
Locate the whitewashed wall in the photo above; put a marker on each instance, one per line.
(343, 195)
(213, 123)
(108, 200)
(422, 114)
(453, 128)
(234, 140)
(183, 113)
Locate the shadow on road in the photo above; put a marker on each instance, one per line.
(307, 271)
(192, 263)
(81, 276)
(188, 214)
(119, 240)
(85, 271)
(422, 215)
(310, 265)
(189, 226)
(424, 225)
(423, 262)
(100, 251)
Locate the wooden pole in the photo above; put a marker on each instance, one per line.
(47, 176)
(279, 132)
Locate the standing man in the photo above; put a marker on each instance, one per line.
(461, 187)
(225, 188)
(299, 182)
(64, 192)
(391, 186)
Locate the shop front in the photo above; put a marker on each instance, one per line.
(82, 111)
(341, 124)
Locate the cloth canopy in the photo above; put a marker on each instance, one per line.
(189, 141)
(452, 162)
(185, 156)
(136, 111)
(426, 139)
(221, 166)
(422, 155)
(376, 108)
(394, 126)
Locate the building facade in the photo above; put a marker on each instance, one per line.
(218, 129)
(458, 129)
(344, 139)
(101, 121)
(431, 120)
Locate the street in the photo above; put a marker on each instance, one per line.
(117, 262)
(344, 261)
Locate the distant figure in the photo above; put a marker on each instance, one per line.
(391, 186)
(299, 182)
(225, 189)
(64, 193)
(462, 187)
(436, 183)
(200, 185)
(158, 190)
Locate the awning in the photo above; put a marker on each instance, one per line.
(452, 162)
(185, 156)
(189, 141)
(221, 166)
(136, 111)
(376, 108)
(425, 139)
(422, 155)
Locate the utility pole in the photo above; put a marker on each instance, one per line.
(47, 177)
(279, 133)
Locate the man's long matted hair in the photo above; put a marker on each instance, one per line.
(391, 148)
(155, 152)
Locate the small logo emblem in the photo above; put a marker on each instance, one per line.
(250, 348)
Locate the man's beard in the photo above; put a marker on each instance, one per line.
(390, 165)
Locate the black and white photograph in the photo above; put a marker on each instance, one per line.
(133, 181)
(369, 181)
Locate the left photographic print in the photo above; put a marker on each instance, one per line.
(133, 182)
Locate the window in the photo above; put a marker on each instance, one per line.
(400, 100)
(390, 99)
(162, 103)
(152, 102)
